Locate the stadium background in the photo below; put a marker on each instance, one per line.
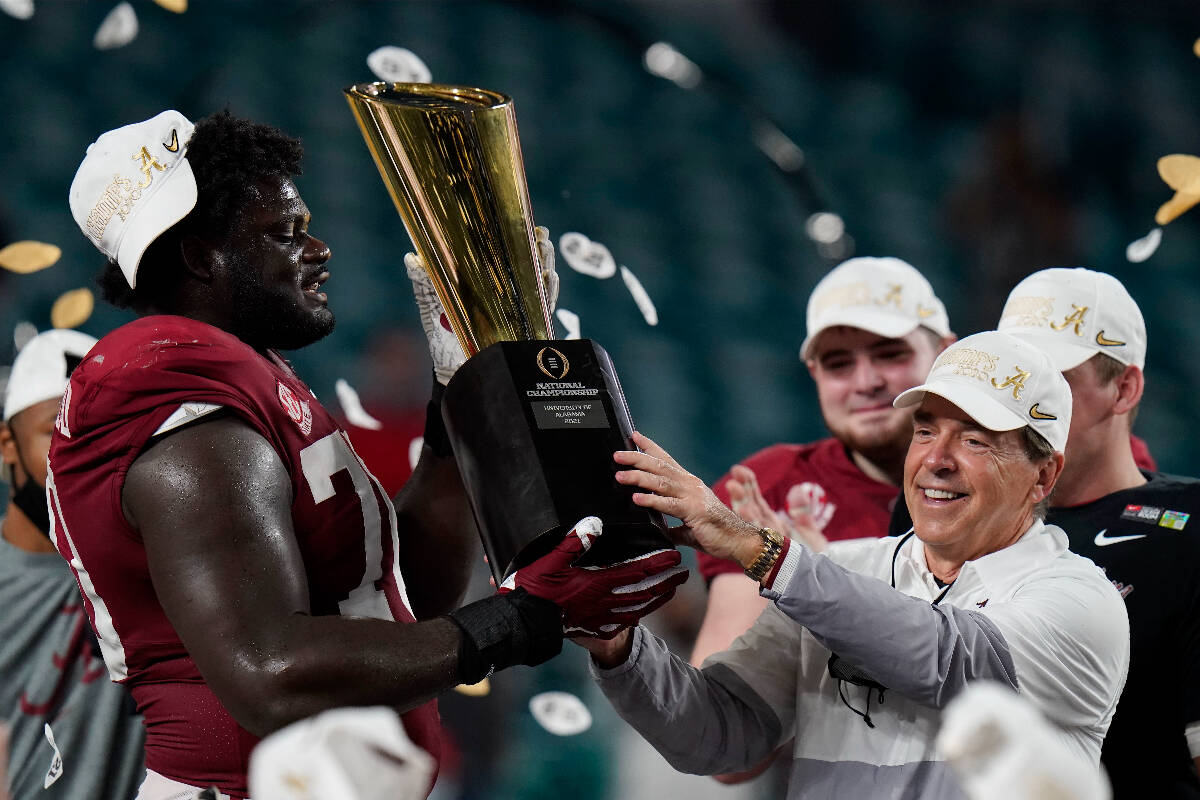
(978, 141)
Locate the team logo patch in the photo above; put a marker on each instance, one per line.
(1175, 520)
(1146, 514)
(811, 496)
(298, 411)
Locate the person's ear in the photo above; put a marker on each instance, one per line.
(1048, 475)
(200, 258)
(8, 445)
(1131, 383)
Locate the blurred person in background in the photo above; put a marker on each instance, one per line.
(241, 566)
(983, 590)
(52, 679)
(1134, 523)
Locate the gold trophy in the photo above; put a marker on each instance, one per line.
(533, 421)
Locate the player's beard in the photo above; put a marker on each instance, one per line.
(883, 445)
(273, 316)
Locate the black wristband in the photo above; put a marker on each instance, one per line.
(436, 438)
(506, 629)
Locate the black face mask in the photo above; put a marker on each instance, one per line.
(31, 499)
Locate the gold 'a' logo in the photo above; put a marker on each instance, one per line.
(1017, 382)
(1037, 413)
(173, 147)
(893, 295)
(1074, 318)
(553, 363)
(149, 162)
(1105, 342)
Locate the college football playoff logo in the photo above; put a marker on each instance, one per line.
(553, 363)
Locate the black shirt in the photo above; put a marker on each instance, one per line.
(1147, 540)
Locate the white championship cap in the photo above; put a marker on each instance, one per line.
(885, 296)
(134, 183)
(348, 753)
(41, 371)
(1072, 314)
(1003, 383)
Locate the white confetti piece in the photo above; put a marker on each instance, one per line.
(23, 332)
(352, 407)
(21, 9)
(570, 322)
(1140, 249)
(644, 303)
(118, 29)
(56, 764)
(414, 451)
(399, 65)
(585, 256)
(560, 713)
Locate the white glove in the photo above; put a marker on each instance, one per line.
(444, 347)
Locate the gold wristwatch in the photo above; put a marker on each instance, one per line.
(772, 547)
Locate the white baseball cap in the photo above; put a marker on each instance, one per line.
(1003, 383)
(134, 183)
(41, 371)
(1072, 314)
(886, 296)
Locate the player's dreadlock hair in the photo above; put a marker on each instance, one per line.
(227, 154)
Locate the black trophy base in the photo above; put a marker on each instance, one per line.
(534, 425)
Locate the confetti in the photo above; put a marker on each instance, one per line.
(644, 303)
(23, 333)
(118, 29)
(56, 764)
(570, 322)
(29, 256)
(72, 308)
(1175, 206)
(1181, 173)
(176, 6)
(560, 713)
(1196, 48)
(1140, 249)
(21, 9)
(352, 407)
(481, 689)
(414, 451)
(585, 256)
(399, 65)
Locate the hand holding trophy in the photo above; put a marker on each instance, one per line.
(533, 421)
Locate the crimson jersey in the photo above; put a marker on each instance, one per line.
(843, 501)
(149, 375)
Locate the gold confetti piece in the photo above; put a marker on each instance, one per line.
(1175, 206)
(1181, 173)
(1196, 48)
(29, 256)
(177, 6)
(72, 309)
(481, 689)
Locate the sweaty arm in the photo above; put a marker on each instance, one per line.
(212, 504)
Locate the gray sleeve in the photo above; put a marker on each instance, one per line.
(925, 652)
(703, 722)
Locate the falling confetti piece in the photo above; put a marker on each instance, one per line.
(1175, 206)
(585, 256)
(118, 29)
(399, 65)
(352, 407)
(56, 764)
(414, 451)
(644, 303)
(29, 256)
(1196, 48)
(481, 689)
(23, 333)
(570, 321)
(177, 6)
(1181, 173)
(560, 713)
(21, 9)
(1140, 249)
(72, 309)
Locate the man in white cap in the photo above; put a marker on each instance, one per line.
(874, 327)
(54, 697)
(241, 567)
(1134, 524)
(863, 645)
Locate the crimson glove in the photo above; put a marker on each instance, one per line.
(599, 601)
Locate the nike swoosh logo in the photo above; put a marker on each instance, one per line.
(1038, 414)
(1100, 340)
(173, 147)
(1103, 541)
(924, 313)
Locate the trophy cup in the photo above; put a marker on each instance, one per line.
(533, 421)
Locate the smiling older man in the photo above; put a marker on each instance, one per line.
(864, 645)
